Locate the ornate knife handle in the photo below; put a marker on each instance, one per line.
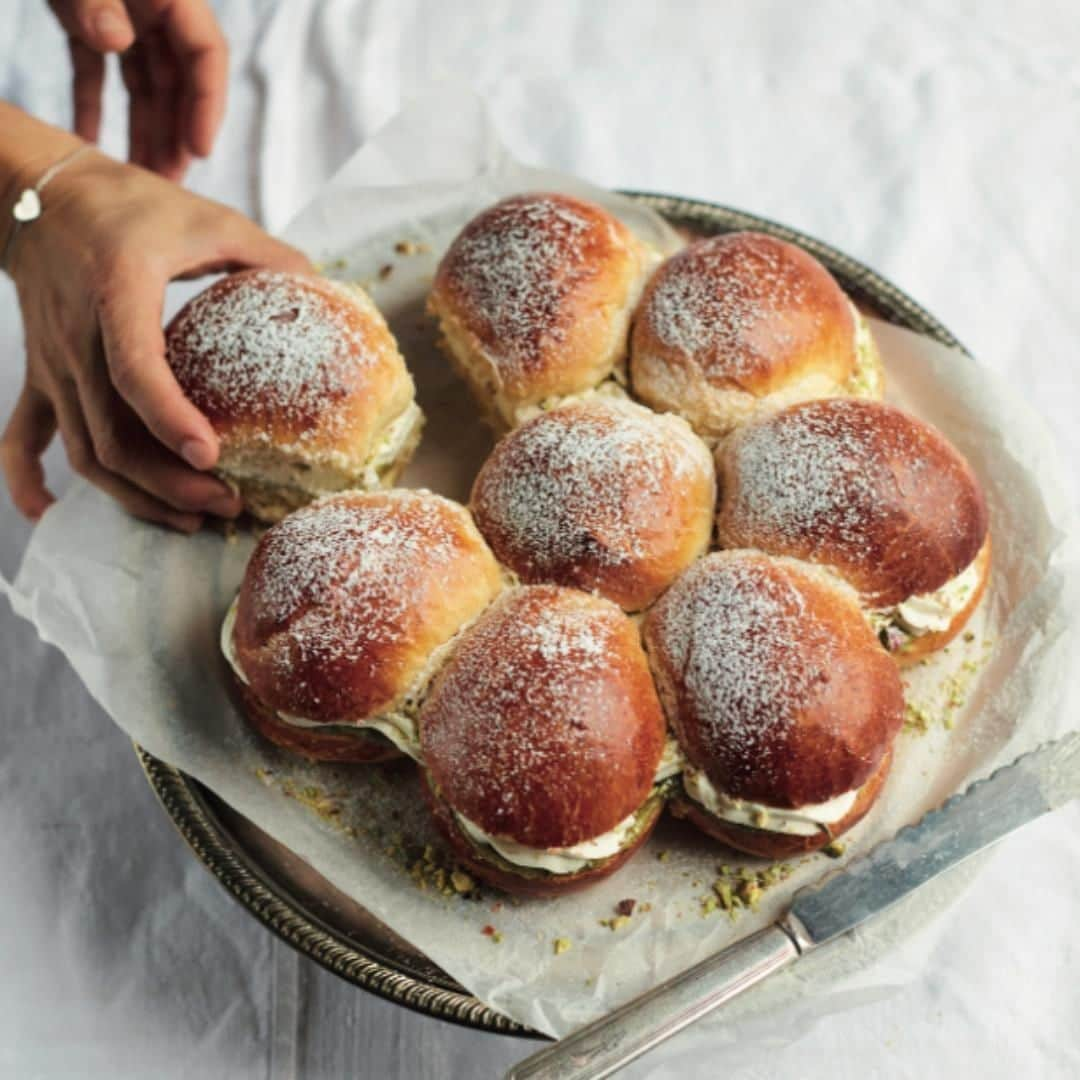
(613, 1041)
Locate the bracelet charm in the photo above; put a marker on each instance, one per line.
(28, 207)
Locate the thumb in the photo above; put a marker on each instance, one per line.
(102, 25)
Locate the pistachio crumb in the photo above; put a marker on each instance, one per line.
(835, 849)
(561, 945)
(750, 894)
(461, 882)
(724, 894)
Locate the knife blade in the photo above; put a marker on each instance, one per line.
(988, 810)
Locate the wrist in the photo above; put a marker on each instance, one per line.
(27, 149)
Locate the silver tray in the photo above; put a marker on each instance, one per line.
(301, 906)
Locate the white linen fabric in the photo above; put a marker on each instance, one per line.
(934, 145)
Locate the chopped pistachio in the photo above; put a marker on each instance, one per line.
(461, 882)
(835, 849)
(561, 945)
(750, 894)
(725, 894)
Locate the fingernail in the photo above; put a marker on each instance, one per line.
(198, 454)
(186, 523)
(226, 506)
(107, 23)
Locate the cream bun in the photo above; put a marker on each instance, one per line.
(541, 741)
(303, 383)
(346, 610)
(743, 323)
(875, 495)
(600, 494)
(534, 298)
(783, 703)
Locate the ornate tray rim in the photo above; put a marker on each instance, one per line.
(182, 797)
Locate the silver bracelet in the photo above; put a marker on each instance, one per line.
(28, 206)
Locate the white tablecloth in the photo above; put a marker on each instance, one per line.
(935, 142)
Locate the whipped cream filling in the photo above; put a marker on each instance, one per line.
(335, 471)
(672, 761)
(800, 821)
(391, 442)
(566, 860)
(929, 613)
(569, 860)
(866, 379)
(398, 727)
(611, 387)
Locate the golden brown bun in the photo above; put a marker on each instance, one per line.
(529, 882)
(345, 602)
(881, 498)
(363, 747)
(776, 845)
(534, 300)
(301, 379)
(601, 494)
(544, 726)
(739, 322)
(776, 686)
(921, 646)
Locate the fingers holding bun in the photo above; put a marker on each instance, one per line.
(600, 494)
(741, 323)
(303, 383)
(542, 737)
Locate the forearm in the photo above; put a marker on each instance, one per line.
(27, 148)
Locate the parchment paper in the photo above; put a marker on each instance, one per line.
(136, 610)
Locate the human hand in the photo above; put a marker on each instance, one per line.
(90, 276)
(174, 60)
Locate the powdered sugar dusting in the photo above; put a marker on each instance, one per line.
(737, 637)
(347, 576)
(582, 486)
(265, 341)
(527, 700)
(732, 303)
(812, 478)
(516, 264)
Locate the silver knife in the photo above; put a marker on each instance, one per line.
(968, 823)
